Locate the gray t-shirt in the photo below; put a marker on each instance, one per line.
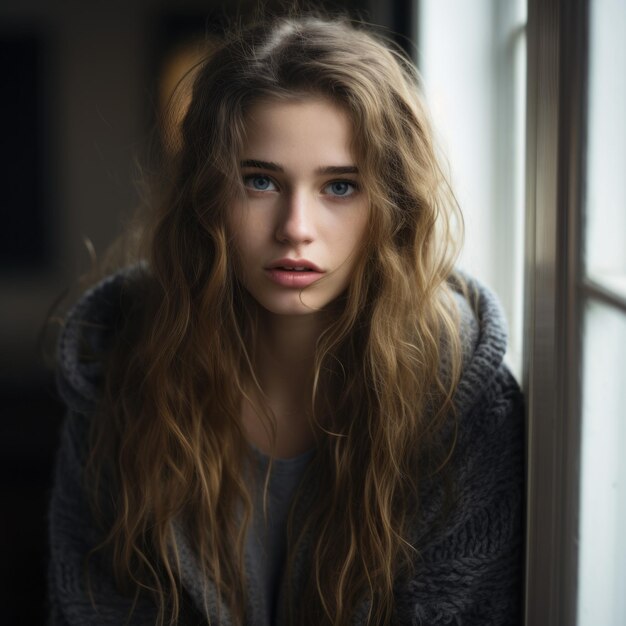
(266, 543)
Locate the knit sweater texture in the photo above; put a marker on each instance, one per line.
(468, 572)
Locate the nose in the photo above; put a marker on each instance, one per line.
(295, 219)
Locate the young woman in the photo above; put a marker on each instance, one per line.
(293, 410)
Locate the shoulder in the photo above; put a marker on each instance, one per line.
(483, 331)
(489, 403)
(470, 532)
(90, 331)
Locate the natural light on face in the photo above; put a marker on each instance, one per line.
(300, 227)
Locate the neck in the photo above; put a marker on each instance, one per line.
(286, 350)
(283, 361)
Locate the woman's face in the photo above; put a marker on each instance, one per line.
(301, 225)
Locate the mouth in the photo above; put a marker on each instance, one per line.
(294, 265)
(293, 273)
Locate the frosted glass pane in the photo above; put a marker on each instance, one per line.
(606, 146)
(602, 552)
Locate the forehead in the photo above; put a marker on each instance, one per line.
(303, 129)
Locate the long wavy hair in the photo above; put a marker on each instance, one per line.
(168, 434)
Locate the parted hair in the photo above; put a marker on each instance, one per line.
(168, 434)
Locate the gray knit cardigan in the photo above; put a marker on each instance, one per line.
(469, 568)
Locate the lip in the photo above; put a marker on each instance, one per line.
(289, 262)
(293, 278)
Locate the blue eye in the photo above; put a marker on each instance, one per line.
(259, 183)
(341, 188)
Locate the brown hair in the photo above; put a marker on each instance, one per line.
(170, 416)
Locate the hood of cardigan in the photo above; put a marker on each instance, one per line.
(91, 324)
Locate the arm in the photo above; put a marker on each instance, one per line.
(73, 533)
(470, 572)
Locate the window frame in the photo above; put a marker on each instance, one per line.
(556, 116)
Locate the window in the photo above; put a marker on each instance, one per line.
(602, 552)
(472, 57)
(550, 83)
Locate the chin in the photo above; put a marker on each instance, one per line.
(303, 302)
(291, 309)
(300, 305)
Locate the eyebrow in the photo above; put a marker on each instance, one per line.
(275, 167)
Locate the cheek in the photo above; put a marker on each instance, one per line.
(245, 248)
(358, 229)
(236, 245)
(238, 228)
(349, 248)
(245, 244)
(245, 226)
